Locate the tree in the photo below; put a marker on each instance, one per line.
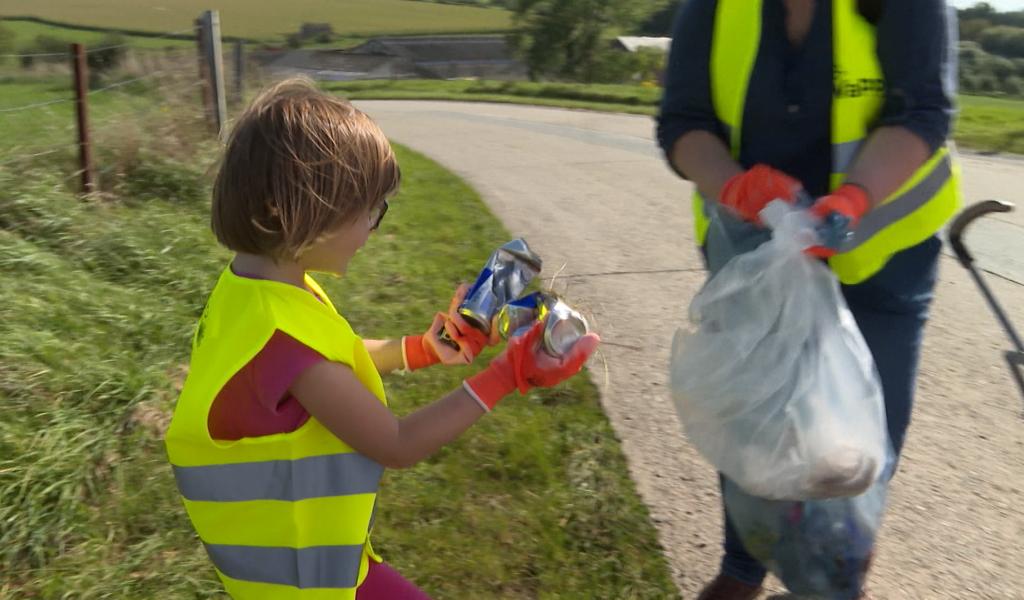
(984, 10)
(987, 83)
(46, 48)
(6, 40)
(1005, 40)
(981, 10)
(567, 38)
(971, 55)
(660, 22)
(999, 66)
(1013, 86)
(971, 29)
(107, 54)
(968, 82)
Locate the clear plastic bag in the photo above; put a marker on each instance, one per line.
(776, 387)
(818, 549)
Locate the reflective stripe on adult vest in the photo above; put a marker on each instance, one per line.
(910, 215)
(284, 515)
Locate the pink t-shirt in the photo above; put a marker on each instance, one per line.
(255, 401)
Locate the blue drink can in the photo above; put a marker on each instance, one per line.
(505, 276)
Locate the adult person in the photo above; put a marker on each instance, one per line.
(851, 102)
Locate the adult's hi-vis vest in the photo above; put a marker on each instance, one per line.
(914, 212)
(284, 516)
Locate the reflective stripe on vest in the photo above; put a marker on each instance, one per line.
(314, 567)
(285, 515)
(287, 480)
(843, 154)
(910, 215)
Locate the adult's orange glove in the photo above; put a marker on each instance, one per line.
(840, 213)
(749, 192)
(524, 365)
(419, 351)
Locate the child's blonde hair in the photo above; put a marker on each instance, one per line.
(299, 164)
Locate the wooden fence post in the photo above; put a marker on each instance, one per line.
(81, 70)
(215, 68)
(206, 97)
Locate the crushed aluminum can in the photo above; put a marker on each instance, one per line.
(505, 276)
(563, 326)
(517, 316)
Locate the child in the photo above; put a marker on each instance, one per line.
(282, 429)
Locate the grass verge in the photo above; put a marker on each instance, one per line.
(633, 99)
(984, 124)
(991, 124)
(99, 299)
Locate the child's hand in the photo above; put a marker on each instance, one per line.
(428, 349)
(524, 365)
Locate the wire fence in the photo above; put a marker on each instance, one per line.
(147, 96)
(164, 36)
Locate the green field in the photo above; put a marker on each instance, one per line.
(117, 118)
(270, 20)
(55, 123)
(991, 124)
(25, 33)
(99, 300)
(985, 124)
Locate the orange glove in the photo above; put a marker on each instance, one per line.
(840, 213)
(749, 192)
(419, 351)
(524, 365)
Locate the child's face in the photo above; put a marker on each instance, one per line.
(333, 253)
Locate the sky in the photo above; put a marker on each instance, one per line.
(1000, 5)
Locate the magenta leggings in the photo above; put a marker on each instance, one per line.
(384, 583)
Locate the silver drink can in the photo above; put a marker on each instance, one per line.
(563, 327)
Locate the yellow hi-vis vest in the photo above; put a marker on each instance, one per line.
(914, 212)
(283, 516)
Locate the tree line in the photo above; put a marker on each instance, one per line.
(571, 40)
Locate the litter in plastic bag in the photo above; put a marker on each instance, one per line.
(819, 548)
(777, 387)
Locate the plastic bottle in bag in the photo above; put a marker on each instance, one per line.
(819, 548)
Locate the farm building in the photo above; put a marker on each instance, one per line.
(634, 43)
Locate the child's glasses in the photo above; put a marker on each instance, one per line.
(375, 222)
